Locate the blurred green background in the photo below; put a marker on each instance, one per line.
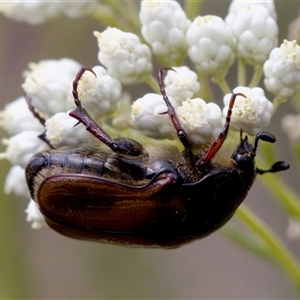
(41, 264)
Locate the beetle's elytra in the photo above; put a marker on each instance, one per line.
(142, 196)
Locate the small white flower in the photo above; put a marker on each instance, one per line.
(99, 94)
(34, 216)
(48, 83)
(15, 182)
(32, 12)
(256, 32)
(16, 117)
(164, 24)
(21, 147)
(236, 5)
(249, 114)
(282, 70)
(211, 45)
(149, 116)
(61, 131)
(291, 126)
(202, 121)
(181, 84)
(123, 55)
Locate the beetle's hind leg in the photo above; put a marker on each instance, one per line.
(119, 145)
(39, 118)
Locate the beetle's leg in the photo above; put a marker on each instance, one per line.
(182, 135)
(208, 155)
(120, 145)
(39, 118)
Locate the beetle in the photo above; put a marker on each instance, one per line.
(156, 196)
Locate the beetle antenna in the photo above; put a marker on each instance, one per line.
(217, 144)
(123, 146)
(264, 136)
(269, 138)
(39, 118)
(277, 167)
(181, 133)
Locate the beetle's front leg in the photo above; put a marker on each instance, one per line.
(119, 145)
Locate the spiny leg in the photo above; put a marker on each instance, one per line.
(39, 118)
(182, 135)
(208, 155)
(121, 145)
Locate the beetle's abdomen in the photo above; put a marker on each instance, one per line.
(83, 161)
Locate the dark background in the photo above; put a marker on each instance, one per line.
(42, 264)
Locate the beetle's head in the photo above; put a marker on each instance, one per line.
(244, 158)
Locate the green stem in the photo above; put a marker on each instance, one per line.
(192, 8)
(241, 72)
(247, 240)
(222, 83)
(205, 91)
(258, 71)
(106, 17)
(152, 82)
(283, 193)
(276, 248)
(277, 101)
(273, 182)
(129, 12)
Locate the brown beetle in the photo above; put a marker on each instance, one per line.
(132, 195)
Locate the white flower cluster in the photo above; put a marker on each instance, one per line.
(282, 70)
(249, 32)
(211, 45)
(250, 113)
(36, 12)
(255, 29)
(123, 55)
(164, 25)
(48, 84)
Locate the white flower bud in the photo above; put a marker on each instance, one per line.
(149, 116)
(181, 84)
(99, 95)
(291, 125)
(282, 70)
(249, 114)
(32, 12)
(16, 117)
(236, 5)
(211, 45)
(34, 216)
(48, 83)
(123, 55)
(61, 131)
(256, 32)
(21, 147)
(164, 24)
(15, 182)
(202, 121)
